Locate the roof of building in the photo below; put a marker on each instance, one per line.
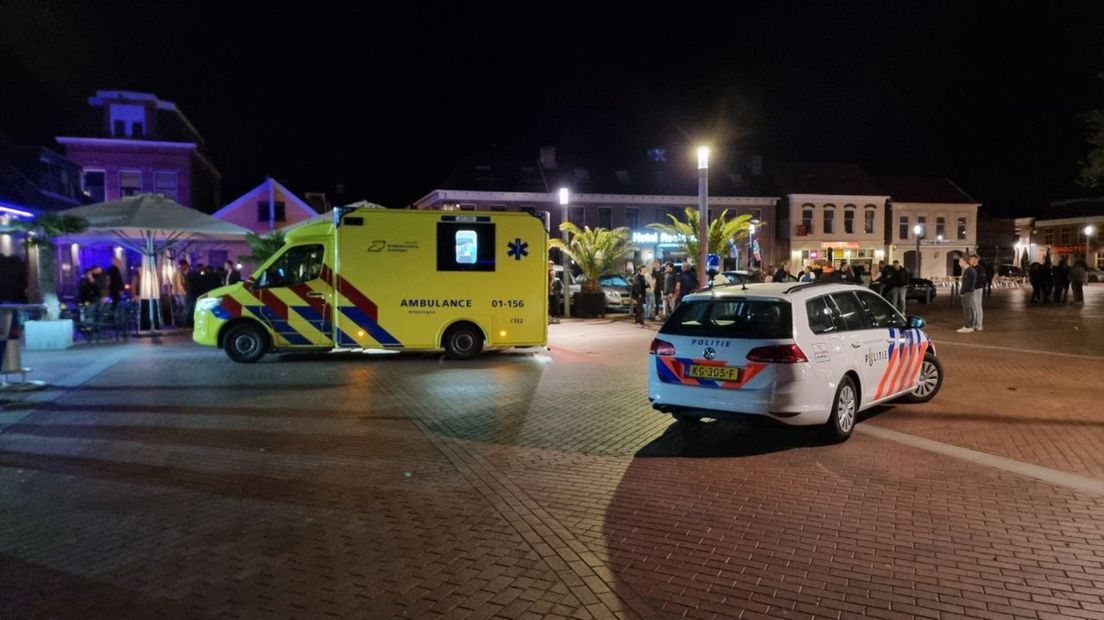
(819, 178)
(170, 124)
(924, 189)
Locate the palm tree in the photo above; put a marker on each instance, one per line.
(595, 250)
(263, 247)
(721, 230)
(40, 234)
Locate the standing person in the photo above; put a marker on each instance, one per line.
(1035, 276)
(115, 281)
(87, 293)
(990, 271)
(879, 278)
(1078, 274)
(808, 275)
(670, 289)
(180, 292)
(1061, 281)
(688, 282)
(649, 290)
(639, 292)
(783, 273)
(1046, 275)
(233, 276)
(555, 292)
(844, 273)
(195, 280)
(979, 291)
(966, 290)
(898, 286)
(657, 290)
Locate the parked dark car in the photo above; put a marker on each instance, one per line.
(1009, 271)
(921, 289)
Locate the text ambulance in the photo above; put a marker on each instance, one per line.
(378, 279)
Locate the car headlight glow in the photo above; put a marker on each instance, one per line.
(206, 304)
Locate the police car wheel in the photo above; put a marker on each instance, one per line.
(463, 342)
(845, 409)
(929, 381)
(245, 343)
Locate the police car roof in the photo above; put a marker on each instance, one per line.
(780, 290)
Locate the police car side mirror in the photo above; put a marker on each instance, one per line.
(916, 322)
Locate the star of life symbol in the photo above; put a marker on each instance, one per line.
(709, 353)
(518, 248)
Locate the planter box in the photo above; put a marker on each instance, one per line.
(588, 304)
(48, 335)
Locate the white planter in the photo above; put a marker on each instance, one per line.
(48, 335)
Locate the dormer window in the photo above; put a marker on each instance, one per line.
(128, 121)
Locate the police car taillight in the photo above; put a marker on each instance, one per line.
(662, 347)
(779, 354)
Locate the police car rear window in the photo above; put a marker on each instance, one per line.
(731, 318)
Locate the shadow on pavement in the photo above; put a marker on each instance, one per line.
(730, 439)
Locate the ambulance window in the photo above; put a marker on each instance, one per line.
(298, 264)
(465, 246)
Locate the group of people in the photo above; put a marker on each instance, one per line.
(657, 291)
(98, 283)
(189, 283)
(1052, 284)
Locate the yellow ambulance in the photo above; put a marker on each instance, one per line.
(374, 278)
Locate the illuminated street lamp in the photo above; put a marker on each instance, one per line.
(703, 212)
(751, 244)
(917, 231)
(1089, 231)
(565, 200)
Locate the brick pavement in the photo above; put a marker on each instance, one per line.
(177, 484)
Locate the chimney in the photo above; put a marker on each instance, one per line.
(548, 157)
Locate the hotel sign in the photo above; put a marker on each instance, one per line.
(657, 237)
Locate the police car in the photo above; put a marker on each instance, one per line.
(802, 354)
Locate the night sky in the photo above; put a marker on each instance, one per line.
(388, 101)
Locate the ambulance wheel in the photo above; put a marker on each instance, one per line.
(463, 342)
(246, 343)
(845, 409)
(929, 381)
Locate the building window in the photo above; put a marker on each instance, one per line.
(632, 218)
(849, 221)
(1048, 236)
(961, 228)
(922, 222)
(577, 216)
(870, 213)
(806, 220)
(939, 228)
(92, 184)
(903, 228)
(605, 217)
(165, 183)
(130, 182)
(756, 215)
(264, 214)
(1064, 235)
(829, 219)
(128, 121)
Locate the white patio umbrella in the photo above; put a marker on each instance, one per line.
(151, 224)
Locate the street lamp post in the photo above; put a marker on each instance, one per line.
(1089, 230)
(917, 231)
(751, 245)
(565, 200)
(703, 212)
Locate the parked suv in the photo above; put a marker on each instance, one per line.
(802, 354)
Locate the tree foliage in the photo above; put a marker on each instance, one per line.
(721, 229)
(1091, 173)
(40, 233)
(596, 251)
(263, 247)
